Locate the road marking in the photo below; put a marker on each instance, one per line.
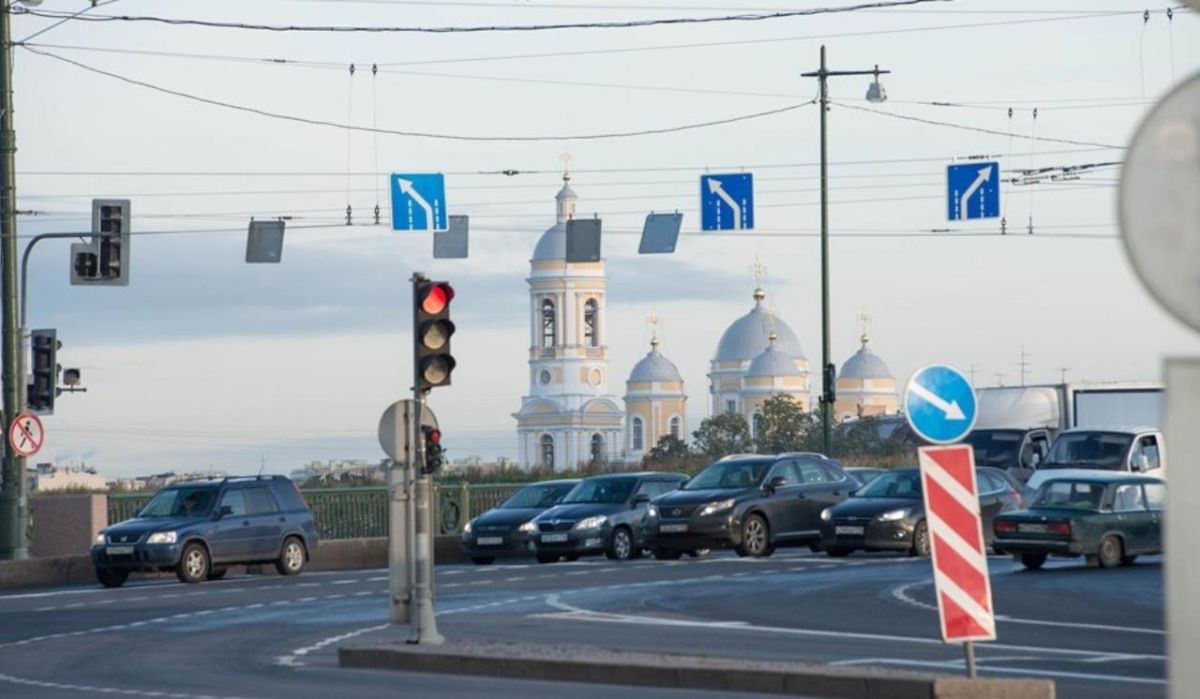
(12, 679)
(984, 668)
(290, 660)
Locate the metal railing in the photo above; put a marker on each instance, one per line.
(353, 513)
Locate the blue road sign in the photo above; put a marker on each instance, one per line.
(940, 404)
(973, 191)
(727, 202)
(419, 202)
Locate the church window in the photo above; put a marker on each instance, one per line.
(548, 323)
(639, 438)
(591, 310)
(758, 426)
(547, 449)
(730, 405)
(597, 448)
(673, 428)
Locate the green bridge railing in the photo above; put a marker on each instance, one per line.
(354, 513)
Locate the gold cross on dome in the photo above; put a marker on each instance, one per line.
(772, 316)
(759, 271)
(566, 159)
(654, 322)
(864, 319)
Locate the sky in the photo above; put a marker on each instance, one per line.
(204, 361)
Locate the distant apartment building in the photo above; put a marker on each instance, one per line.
(341, 471)
(48, 478)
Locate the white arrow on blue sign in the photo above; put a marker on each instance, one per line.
(727, 202)
(973, 191)
(419, 202)
(940, 404)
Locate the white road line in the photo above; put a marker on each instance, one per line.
(984, 668)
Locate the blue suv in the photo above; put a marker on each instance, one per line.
(199, 529)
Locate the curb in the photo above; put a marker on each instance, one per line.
(600, 666)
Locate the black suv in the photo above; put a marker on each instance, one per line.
(748, 502)
(603, 514)
(198, 529)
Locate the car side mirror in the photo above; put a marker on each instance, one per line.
(1141, 463)
(224, 511)
(1034, 459)
(775, 484)
(640, 499)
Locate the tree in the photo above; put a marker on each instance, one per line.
(721, 435)
(784, 427)
(670, 449)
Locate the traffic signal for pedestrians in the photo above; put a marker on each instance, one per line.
(432, 329)
(433, 449)
(44, 388)
(105, 261)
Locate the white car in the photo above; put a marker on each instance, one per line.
(1084, 450)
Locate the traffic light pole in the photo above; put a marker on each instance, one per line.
(423, 621)
(14, 513)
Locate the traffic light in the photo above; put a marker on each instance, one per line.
(433, 450)
(104, 261)
(432, 329)
(44, 387)
(830, 383)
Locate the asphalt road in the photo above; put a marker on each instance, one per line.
(1097, 633)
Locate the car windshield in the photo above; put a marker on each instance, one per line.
(180, 502)
(1102, 450)
(744, 473)
(897, 484)
(537, 496)
(601, 490)
(999, 448)
(1075, 495)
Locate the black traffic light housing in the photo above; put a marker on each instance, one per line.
(44, 387)
(433, 450)
(432, 329)
(830, 383)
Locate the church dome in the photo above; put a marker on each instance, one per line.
(553, 243)
(773, 362)
(865, 364)
(654, 367)
(749, 335)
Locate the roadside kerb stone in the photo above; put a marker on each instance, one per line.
(601, 666)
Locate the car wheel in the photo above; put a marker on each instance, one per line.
(1033, 561)
(666, 554)
(291, 557)
(111, 578)
(756, 538)
(193, 564)
(217, 573)
(920, 545)
(1128, 560)
(571, 557)
(837, 551)
(547, 558)
(1110, 552)
(483, 560)
(699, 553)
(620, 545)
(816, 547)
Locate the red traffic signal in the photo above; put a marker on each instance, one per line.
(432, 329)
(436, 297)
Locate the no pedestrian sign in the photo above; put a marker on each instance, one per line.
(26, 435)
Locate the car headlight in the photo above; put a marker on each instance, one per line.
(467, 528)
(893, 515)
(652, 511)
(715, 507)
(99, 539)
(591, 522)
(162, 538)
(527, 527)
(826, 514)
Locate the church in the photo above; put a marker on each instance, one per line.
(570, 418)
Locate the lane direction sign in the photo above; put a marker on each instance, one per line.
(940, 404)
(727, 202)
(960, 567)
(973, 191)
(419, 202)
(26, 434)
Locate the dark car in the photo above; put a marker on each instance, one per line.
(603, 514)
(1108, 518)
(507, 529)
(751, 503)
(200, 528)
(863, 474)
(889, 513)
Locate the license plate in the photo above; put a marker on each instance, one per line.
(672, 528)
(1032, 528)
(849, 531)
(490, 540)
(120, 550)
(551, 538)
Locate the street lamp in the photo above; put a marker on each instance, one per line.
(876, 94)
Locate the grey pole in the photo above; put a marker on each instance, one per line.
(14, 512)
(424, 620)
(969, 648)
(399, 555)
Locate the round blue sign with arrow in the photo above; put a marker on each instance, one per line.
(940, 404)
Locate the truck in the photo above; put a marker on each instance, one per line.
(1016, 425)
(1083, 450)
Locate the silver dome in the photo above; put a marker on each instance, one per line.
(553, 244)
(773, 362)
(865, 364)
(749, 335)
(654, 367)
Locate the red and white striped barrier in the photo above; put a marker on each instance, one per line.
(960, 570)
